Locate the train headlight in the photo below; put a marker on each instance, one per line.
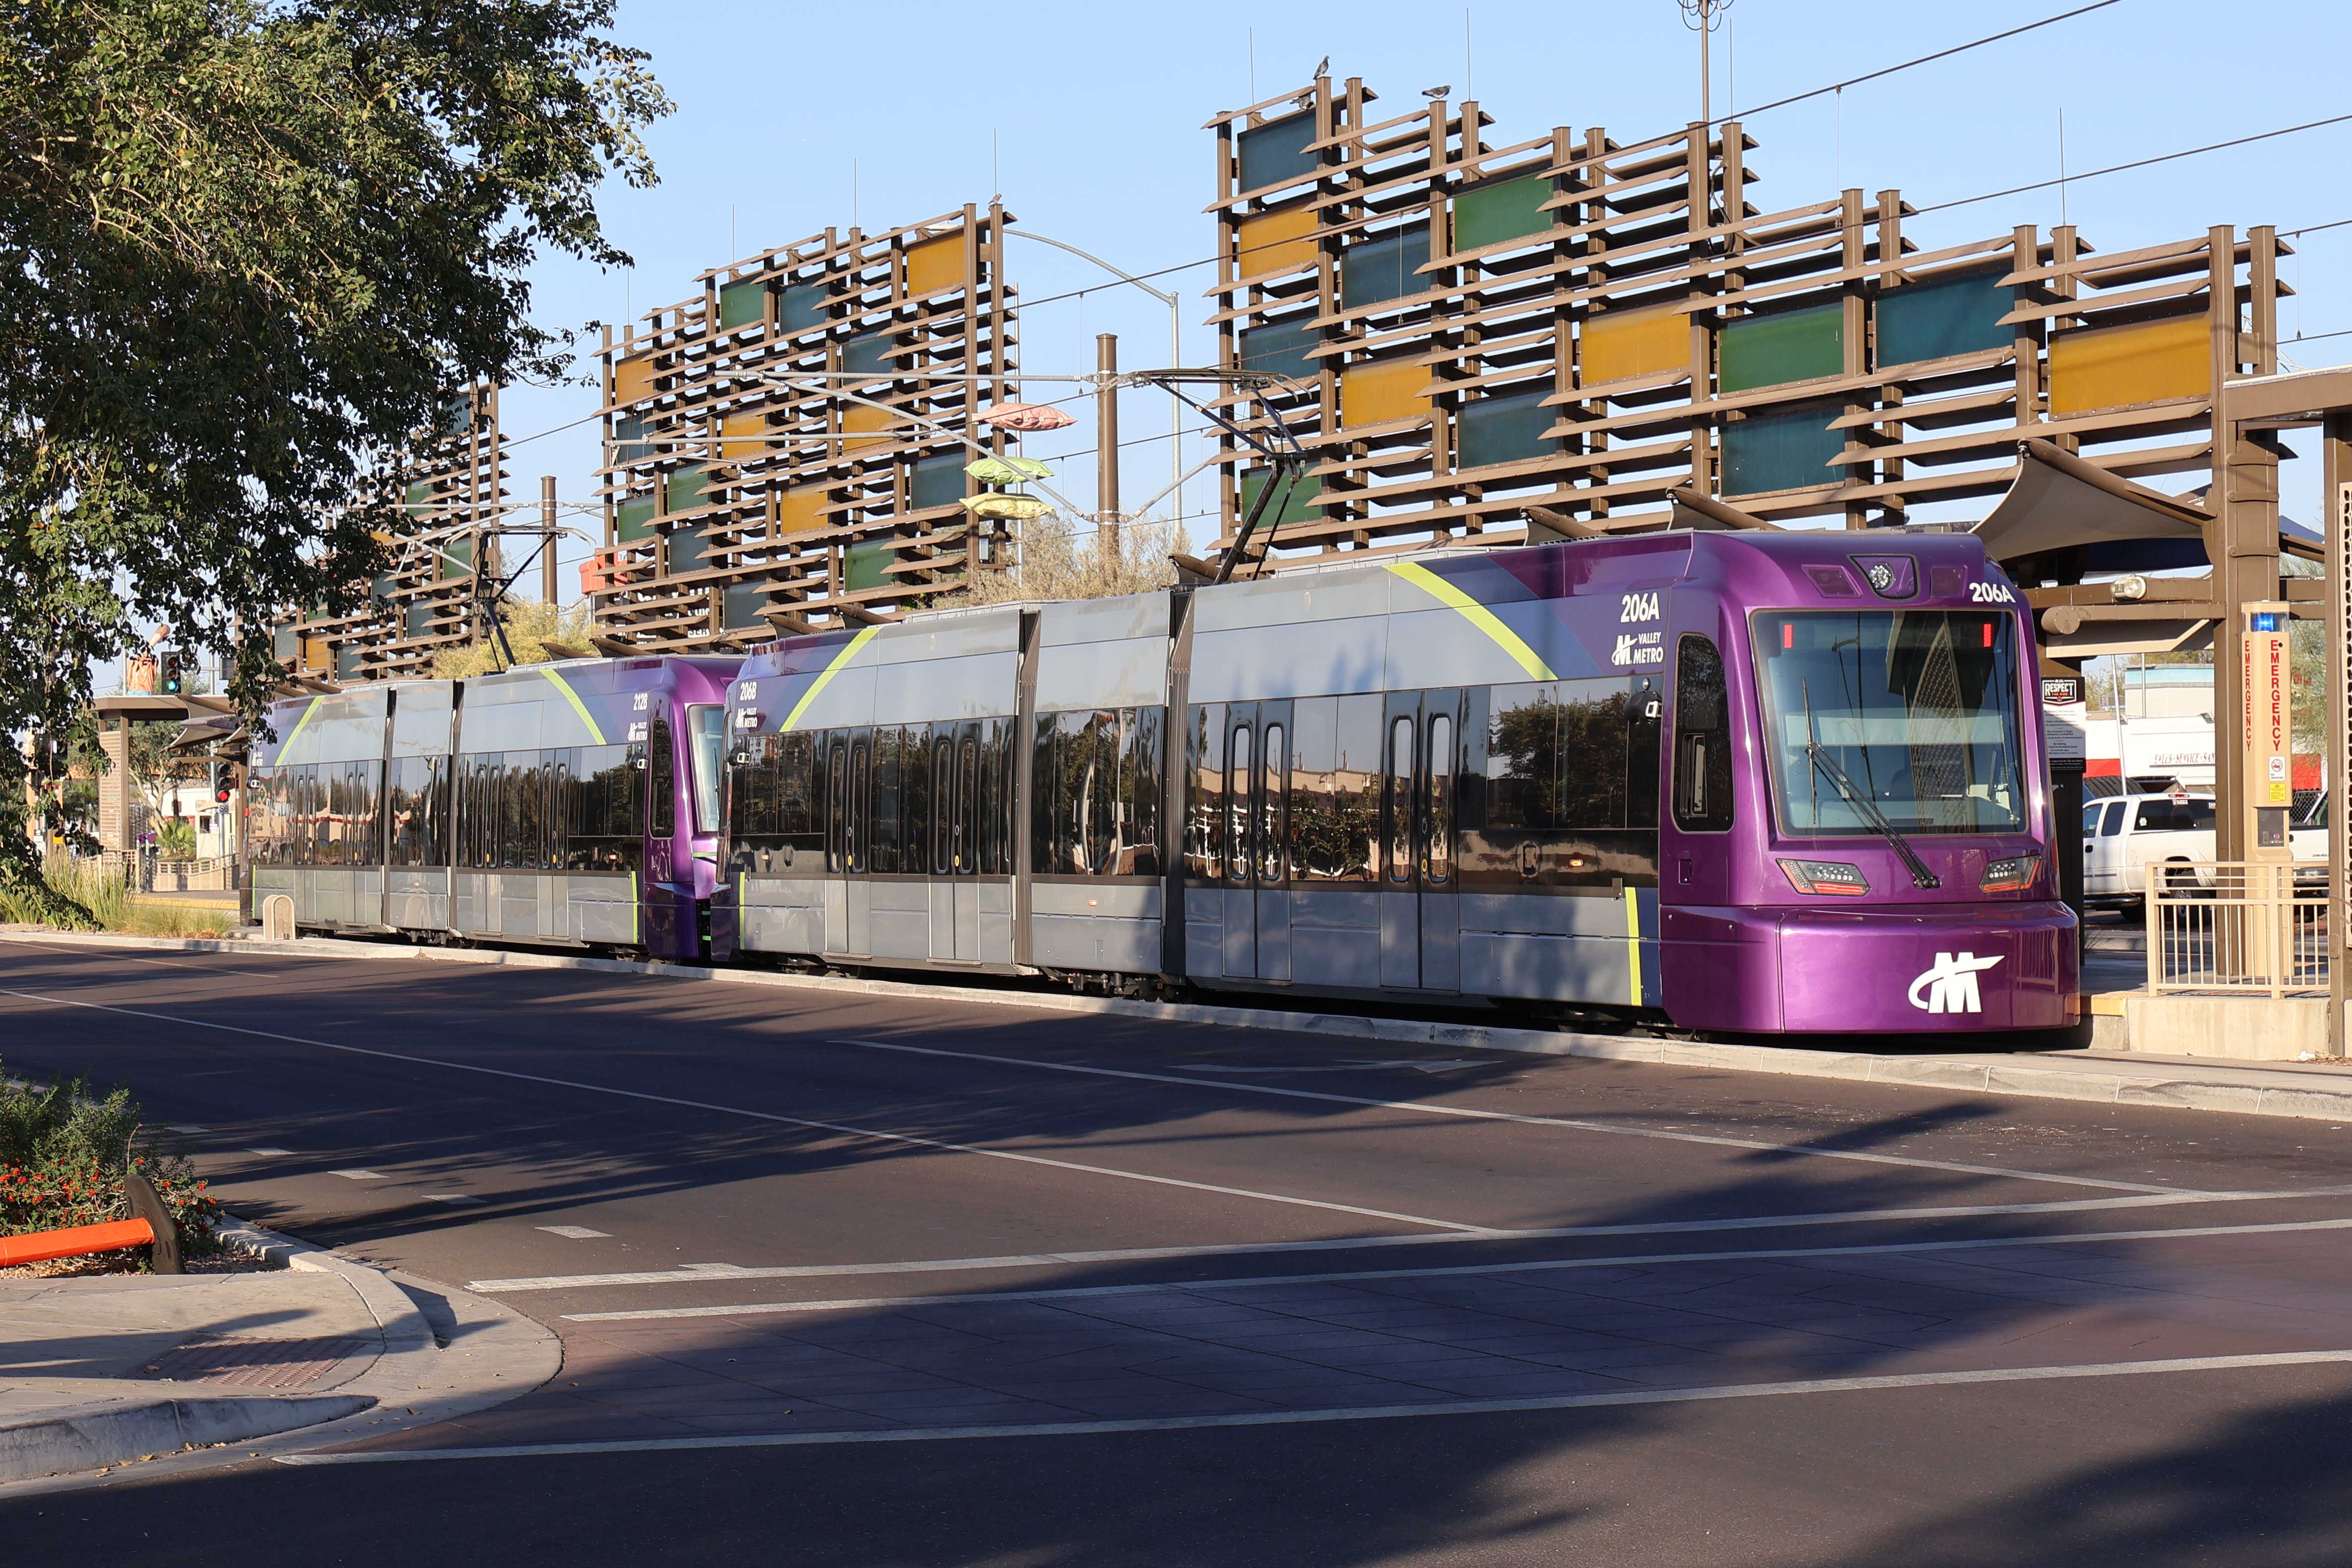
(2012, 876)
(1833, 878)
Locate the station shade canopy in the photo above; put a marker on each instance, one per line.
(2059, 502)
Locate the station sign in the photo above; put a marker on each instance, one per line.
(2266, 729)
(2062, 690)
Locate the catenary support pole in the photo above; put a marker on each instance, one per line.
(1106, 437)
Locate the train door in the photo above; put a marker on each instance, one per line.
(836, 845)
(962, 834)
(1270, 821)
(1421, 915)
(1240, 830)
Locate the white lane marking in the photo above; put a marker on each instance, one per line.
(574, 1232)
(687, 1272)
(1358, 1412)
(451, 1199)
(181, 1127)
(357, 1175)
(1626, 1260)
(1574, 1123)
(270, 1154)
(906, 1138)
(1416, 1063)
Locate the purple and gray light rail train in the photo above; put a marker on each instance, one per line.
(1747, 783)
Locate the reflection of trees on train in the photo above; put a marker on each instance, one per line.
(1096, 778)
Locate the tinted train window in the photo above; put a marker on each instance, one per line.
(706, 731)
(416, 812)
(1096, 782)
(1204, 816)
(1701, 739)
(662, 773)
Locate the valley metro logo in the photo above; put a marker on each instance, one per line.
(1951, 985)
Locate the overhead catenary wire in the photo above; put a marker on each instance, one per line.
(1837, 87)
(2146, 162)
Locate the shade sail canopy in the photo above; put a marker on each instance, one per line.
(2059, 502)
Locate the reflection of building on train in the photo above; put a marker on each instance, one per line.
(1754, 783)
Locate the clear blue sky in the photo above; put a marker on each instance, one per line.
(1087, 118)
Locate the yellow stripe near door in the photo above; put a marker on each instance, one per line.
(286, 751)
(840, 662)
(577, 706)
(1634, 945)
(1478, 615)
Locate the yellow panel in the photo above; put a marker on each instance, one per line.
(801, 510)
(935, 264)
(1618, 347)
(1375, 394)
(1277, 239)
(744, 436)
(633, 378)
(859, 425)
(317, 653)
(2109, 368)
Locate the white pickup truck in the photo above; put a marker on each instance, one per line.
(2124, 834)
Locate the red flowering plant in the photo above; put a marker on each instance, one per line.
(63, 1153)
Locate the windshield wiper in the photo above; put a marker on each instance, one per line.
(1921, 877)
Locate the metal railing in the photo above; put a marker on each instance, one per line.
(147, 873)
(2238, 928)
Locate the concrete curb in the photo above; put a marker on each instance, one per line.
(91, 1436)
(2032, 1076)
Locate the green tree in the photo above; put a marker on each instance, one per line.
(246, 247)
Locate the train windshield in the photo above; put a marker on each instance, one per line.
(706, 729)
(1917, 710)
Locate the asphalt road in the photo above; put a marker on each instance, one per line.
(851, 1280)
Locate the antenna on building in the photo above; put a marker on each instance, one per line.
(1704, 16)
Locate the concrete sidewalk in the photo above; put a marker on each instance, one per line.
(101, 1370)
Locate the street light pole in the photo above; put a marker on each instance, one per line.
(1175, 355)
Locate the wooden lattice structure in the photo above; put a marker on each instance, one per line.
(746, 484)
(1587, 326)
(448, 487)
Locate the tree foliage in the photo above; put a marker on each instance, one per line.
(246, 247)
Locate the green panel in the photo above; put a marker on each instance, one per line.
(285, 647)
(1489, 214)
(800, 307)
(1952, 316)
(418, 498)
(1281, 348)
(685, 489)
(1782, 451)
(869, 355)
(868, 564)
(1277, 152)
(629, 443)
(633, 519)
(740, 605)
(936, 481)
(1299, 506)
(456, 556)
(1384, 269)
(742, 305)
(1788, 345)
(1504, 430)
(689, 550)
(418, 621)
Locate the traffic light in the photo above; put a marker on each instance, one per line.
(169, 664)
(223, 782)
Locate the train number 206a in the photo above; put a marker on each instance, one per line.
(1634, 608)
(1991, 594)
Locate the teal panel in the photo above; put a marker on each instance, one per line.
(740, 606)
(1787, 345)
(380, 590)
(1504, 430)
(742, 305)
(1951, 316)
(1782, 451)
(1299, 506)
(869, 355)
(868, 564)
(457, 415)
(1277, 152)
(800, 307)
(685, 489)
(418, 621)
(1281, 348)
(936, 481)
(1510, 209)
(633, 519)
(285, 647)
(629, 443)
(689, 550)
(347, 662)
(1387, 268)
